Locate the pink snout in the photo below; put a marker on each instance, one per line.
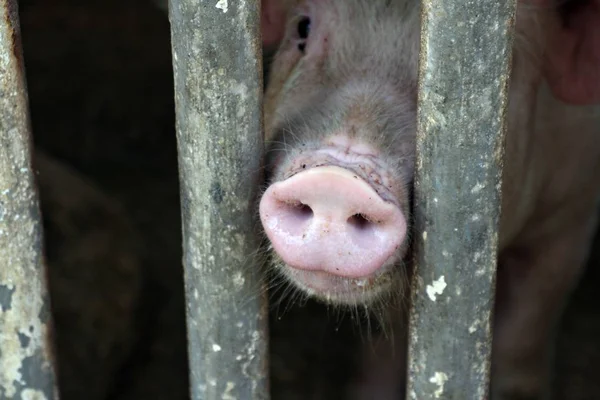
(328, 219)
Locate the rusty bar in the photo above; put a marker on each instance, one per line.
(26, 369)
(463, 84)
(218, 95)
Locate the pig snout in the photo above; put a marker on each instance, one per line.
(328, 219)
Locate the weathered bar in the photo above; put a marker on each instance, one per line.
(463, 84)
(26, 369)
(218, 95)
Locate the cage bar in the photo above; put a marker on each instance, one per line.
(218, 101)
(26, 369)
(463, 84)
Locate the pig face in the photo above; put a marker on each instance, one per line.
(340, 115)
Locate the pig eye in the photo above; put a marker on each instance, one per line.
(304, 28)
(303, 31)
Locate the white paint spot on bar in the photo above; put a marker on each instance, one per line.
(222, 5)
(477, 188)
(424, 235)
(473, 327)
(439, 378)
(436, 288)
(228, 389)
(32, 394)
(216, 347)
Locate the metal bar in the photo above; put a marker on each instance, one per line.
(218, 100)
(26, 369)
(463, 85)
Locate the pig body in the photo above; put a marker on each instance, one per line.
(340, 120)
(94, 276)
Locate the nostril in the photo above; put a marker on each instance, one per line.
(295, 215)
(359, 221)
(302, 211)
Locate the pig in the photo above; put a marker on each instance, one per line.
(340, 128)
(92, 252)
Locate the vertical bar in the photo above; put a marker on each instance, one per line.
(26, 370)
(463, 86)
(218, 95)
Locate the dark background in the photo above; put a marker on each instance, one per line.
(101, 97)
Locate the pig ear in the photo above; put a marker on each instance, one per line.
(573, 64)
(272, 22)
